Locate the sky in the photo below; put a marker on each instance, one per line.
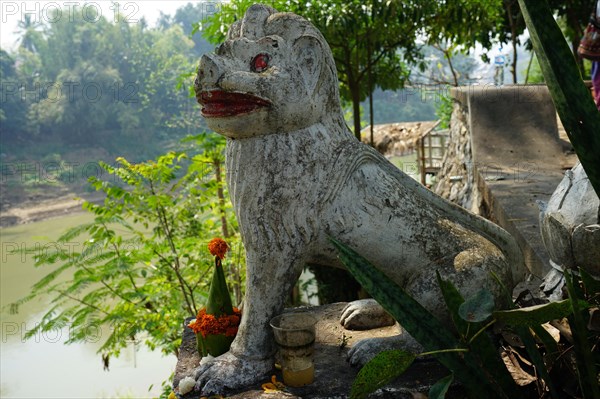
(11, 12)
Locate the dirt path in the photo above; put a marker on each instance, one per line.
(29, 212)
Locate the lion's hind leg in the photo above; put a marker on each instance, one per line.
(470, 270)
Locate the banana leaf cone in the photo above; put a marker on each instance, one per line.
(213, 344)
(219, 320)
(219, 301)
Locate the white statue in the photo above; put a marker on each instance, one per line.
(570, 227)
(297, 175)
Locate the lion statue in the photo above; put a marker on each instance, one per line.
(297, 176)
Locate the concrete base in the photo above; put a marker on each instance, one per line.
(333, 374)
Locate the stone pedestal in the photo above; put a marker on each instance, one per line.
(333, 374)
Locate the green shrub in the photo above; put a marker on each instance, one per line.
(141, 266)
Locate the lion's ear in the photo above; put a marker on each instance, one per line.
(234, 31)
(309, 55)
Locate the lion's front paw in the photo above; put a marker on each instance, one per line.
(228, 372)
(365, 314)
(365, 350)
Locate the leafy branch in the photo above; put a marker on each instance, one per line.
(141, 265)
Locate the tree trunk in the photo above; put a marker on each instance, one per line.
(371, 119)
(355, 93)
(578, 30)
(529, 68)
(513, 36)
(514, 60)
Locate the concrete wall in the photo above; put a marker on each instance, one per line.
(505, 155)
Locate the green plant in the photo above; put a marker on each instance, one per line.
(468, 351)
(141, 266)
(444, 111)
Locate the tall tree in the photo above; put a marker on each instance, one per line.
(28, 32)
(372, 43)
(514, 26)
(12, 112)
(465, 23)
(108, 78)
(573, 14)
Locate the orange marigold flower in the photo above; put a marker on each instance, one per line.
(208, 324)
(218, 247)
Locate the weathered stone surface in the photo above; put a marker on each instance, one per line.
(297, 176)
(570, 224)
(333, 373)
(456, 179)
(586, 248)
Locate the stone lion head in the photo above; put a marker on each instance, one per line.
(274, 73)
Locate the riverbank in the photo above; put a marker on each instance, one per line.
(35, 210)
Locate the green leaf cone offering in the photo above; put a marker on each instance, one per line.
(218, 304)
(214, 345)
(217, 323)
(219, 301)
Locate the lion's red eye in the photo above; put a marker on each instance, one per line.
(260, 62)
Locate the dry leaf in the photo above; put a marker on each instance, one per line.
(564, 328)
(273, 386)
(594, 322)
(553, 331)
(521, 358)
(520, 376)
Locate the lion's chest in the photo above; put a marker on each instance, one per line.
(277, 184)
(272, 178)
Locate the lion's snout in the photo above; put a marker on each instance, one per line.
(209, 74)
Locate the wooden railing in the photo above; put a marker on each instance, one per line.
(431, 147)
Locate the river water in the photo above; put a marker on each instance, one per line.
(43, 367)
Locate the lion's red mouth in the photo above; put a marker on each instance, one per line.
(218, 103)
